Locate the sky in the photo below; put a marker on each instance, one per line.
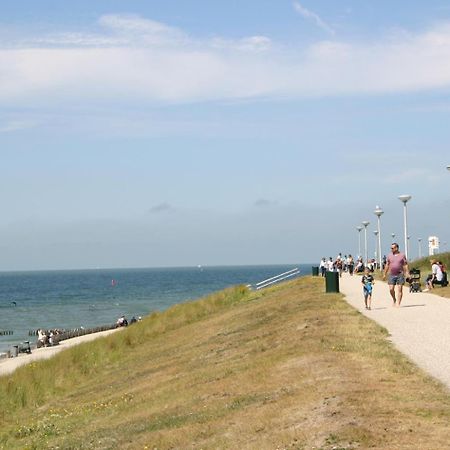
(177, 133)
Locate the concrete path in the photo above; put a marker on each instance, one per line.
(420, 328)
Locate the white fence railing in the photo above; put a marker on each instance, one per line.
(277, 278)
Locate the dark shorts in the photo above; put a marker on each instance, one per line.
(396, 280)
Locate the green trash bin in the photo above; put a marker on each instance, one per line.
(315, 271)
(331, 282)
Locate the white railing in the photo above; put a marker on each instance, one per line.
(277, 278)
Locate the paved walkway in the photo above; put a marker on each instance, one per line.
(420, 328)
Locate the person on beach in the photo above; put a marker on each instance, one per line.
(398, 270)
(42, 338)
(367, 281)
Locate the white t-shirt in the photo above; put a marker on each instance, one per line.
(436, 270)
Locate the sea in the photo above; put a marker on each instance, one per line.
(89, 298)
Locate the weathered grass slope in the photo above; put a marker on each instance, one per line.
(290, 367)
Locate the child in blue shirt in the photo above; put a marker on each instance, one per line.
(367, 281)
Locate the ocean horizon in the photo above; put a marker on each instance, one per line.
(74, 298)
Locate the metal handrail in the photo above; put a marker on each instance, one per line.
(277, 278)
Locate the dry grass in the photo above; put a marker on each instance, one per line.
(289, 368)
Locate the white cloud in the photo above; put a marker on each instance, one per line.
(136, 60)
(143, 30)
(249, 44)
(313, 17)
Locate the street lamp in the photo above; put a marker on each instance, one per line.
(365, 223)
(359, 228)
(379, 212)
(404, 199)
(393, 236)
(408, 239)
(420, 247)
(375, 232)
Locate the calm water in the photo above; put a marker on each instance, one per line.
(70, 299)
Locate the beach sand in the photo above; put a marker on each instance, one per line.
(9, 365)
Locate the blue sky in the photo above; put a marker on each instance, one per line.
(150, 133)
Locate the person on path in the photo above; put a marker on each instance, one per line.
(350, 264)
(323, 266)
(398, 270)
(330, 265)
(367, 281)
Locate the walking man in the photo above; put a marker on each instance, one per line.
(397, 268)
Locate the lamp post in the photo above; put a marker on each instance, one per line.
(408, 238)
(420, 247)
(393, 236)
(365, 223)
(404, 199)
(379, 212)
(375, 232)
(359, 228)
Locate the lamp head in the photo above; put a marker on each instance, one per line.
(378, 211)
(404, 198)
(359, 227)
(365, 223)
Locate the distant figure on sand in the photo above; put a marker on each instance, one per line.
(367, 282)
(122, 322)
(397, 269)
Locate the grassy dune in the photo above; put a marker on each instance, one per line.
(288, 368)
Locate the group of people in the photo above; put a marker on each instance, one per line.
(346, 263)
(46, 338)
(394, 266)
(339, 264)
(395, 270)
(123, 322)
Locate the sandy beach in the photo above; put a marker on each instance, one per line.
(9, 365)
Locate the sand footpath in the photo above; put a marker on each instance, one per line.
(420, 328)
(9, 365)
